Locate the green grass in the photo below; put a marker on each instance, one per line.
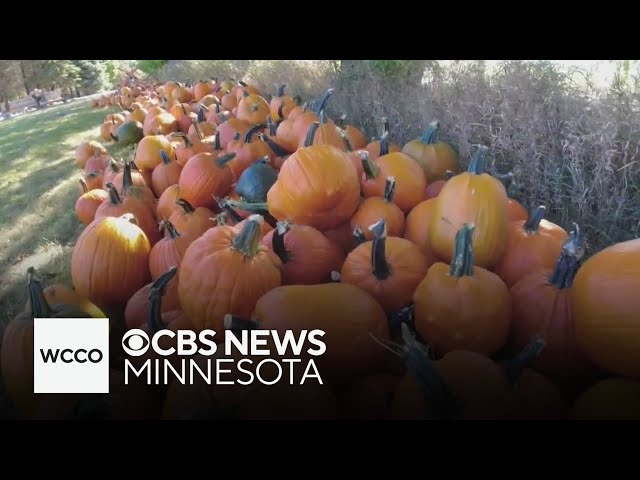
(39, 187)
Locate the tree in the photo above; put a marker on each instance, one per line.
(10, 81)
(92, 75)
(150, 66)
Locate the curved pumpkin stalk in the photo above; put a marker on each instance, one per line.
(517, 364)
(154, 313)
(379, 263)
(358, 235)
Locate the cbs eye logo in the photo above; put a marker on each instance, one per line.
(136, 342)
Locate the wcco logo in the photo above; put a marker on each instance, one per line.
(71, 355)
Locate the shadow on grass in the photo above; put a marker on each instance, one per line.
(38, 185)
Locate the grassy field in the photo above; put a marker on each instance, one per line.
(39, 185)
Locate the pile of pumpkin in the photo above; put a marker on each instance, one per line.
(440, 296)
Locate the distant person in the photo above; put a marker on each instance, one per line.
(38, 96)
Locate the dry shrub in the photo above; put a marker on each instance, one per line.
(570, 148)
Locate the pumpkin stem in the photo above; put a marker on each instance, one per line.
(569, 260)
(113, 166)
(335, 276)
(113, 137)
(310, 134)
(169, 227)
(248, 206)
(384, 138)
(389, 189)
(83, 184)
(202, 117)
(277, 241)
(154, 313)
(381, 268)
(430, 135)
(165, 157)
(358, 234)
(478, 164)
(217, 108)
(404, 315)
(323, 101)
(222, 160)
(277, 150)
(236, 136)
(127, 181)
(185, 138)
(297, 100)
(340, 121)
(186, 206)
(347, 142)
(281, 88)
(216, 142)
(251, 132)
(39, 306)
(371, 170)
(271, 126)
(323, 117)
(384, 145)
(462, 264)
(242, 84)
(238, 324)
(449, 175)
(532, 225)
(441, 403)
(114, 197)
(281, 112)
(229, 211)
(520, 362)
(248, 240)
(198, 131)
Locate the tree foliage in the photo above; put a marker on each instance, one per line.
(151, 66)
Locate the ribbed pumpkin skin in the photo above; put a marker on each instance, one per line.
(110, 261)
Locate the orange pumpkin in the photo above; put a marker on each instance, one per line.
(252, 109)
(88, 203)
(410, 184)
(165, 174)
(110, 260)
(188, 149)
(389, 269)
(191, 222)
(116, 206)
(307, 256)
(542, 306)
(93, 180)
(417, 227)
(226, 271)
(316, 186)
(230, 128)
(531, 246)
(436, 158)
(281, 105)
(167, 205)
(168, 252)
(471, 197)
(324, 132)
(205, 177)
(372, 209)
(148, 151)
(606, 308)
(88, 149)
(348, 315)
(462, 305)
(353, 135)
(516, 211)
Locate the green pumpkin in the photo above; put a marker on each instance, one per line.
(255, 182)
(129, 133)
